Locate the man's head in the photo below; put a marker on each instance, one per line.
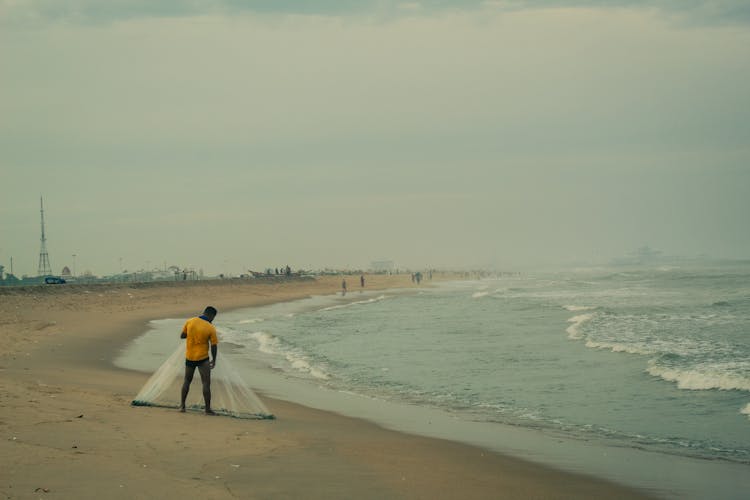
(210, 312)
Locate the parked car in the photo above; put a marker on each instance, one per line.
(54, 280)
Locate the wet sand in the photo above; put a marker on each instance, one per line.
(67, 429)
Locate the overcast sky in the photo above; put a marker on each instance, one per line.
(228, 135)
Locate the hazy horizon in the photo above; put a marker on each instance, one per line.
(448, 134)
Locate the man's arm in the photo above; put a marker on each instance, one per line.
(214, 352)
(183, 335)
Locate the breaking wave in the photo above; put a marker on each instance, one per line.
(572, 308)
(355, 303)
(269, 344)
(697, 380)
(250, 321)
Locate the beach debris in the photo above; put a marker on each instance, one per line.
(80, 416)
(45, 490)
(236, 466)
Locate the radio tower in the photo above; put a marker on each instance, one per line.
(44, 267)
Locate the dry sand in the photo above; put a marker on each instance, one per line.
(67, 429)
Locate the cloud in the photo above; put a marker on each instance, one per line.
(436, 138)
(94, 11)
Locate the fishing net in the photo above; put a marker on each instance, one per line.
(230, 395)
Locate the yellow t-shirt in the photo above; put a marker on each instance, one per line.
(199, 333)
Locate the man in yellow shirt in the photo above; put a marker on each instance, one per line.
(199, 334)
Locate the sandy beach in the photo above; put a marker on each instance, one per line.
(68, 430)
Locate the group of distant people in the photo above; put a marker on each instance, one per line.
(284, 270)
(361, 284)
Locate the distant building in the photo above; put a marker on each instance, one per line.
(66, 272)
(382, 266)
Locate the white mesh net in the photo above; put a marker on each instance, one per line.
(230, 395)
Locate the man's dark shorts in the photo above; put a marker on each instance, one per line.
(195, 364)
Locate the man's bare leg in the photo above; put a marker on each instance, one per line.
(205, 371)
(189, 372)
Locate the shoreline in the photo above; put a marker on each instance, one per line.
(71, 429)
(631, 465)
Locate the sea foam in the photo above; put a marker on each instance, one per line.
(619, 347)
(574, 329)
(301, 364)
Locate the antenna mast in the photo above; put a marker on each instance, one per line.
(44, 267)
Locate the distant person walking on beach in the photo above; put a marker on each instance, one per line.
(343, 287)
(200, 334)
(362, 281)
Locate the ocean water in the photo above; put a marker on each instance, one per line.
(653, 360)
